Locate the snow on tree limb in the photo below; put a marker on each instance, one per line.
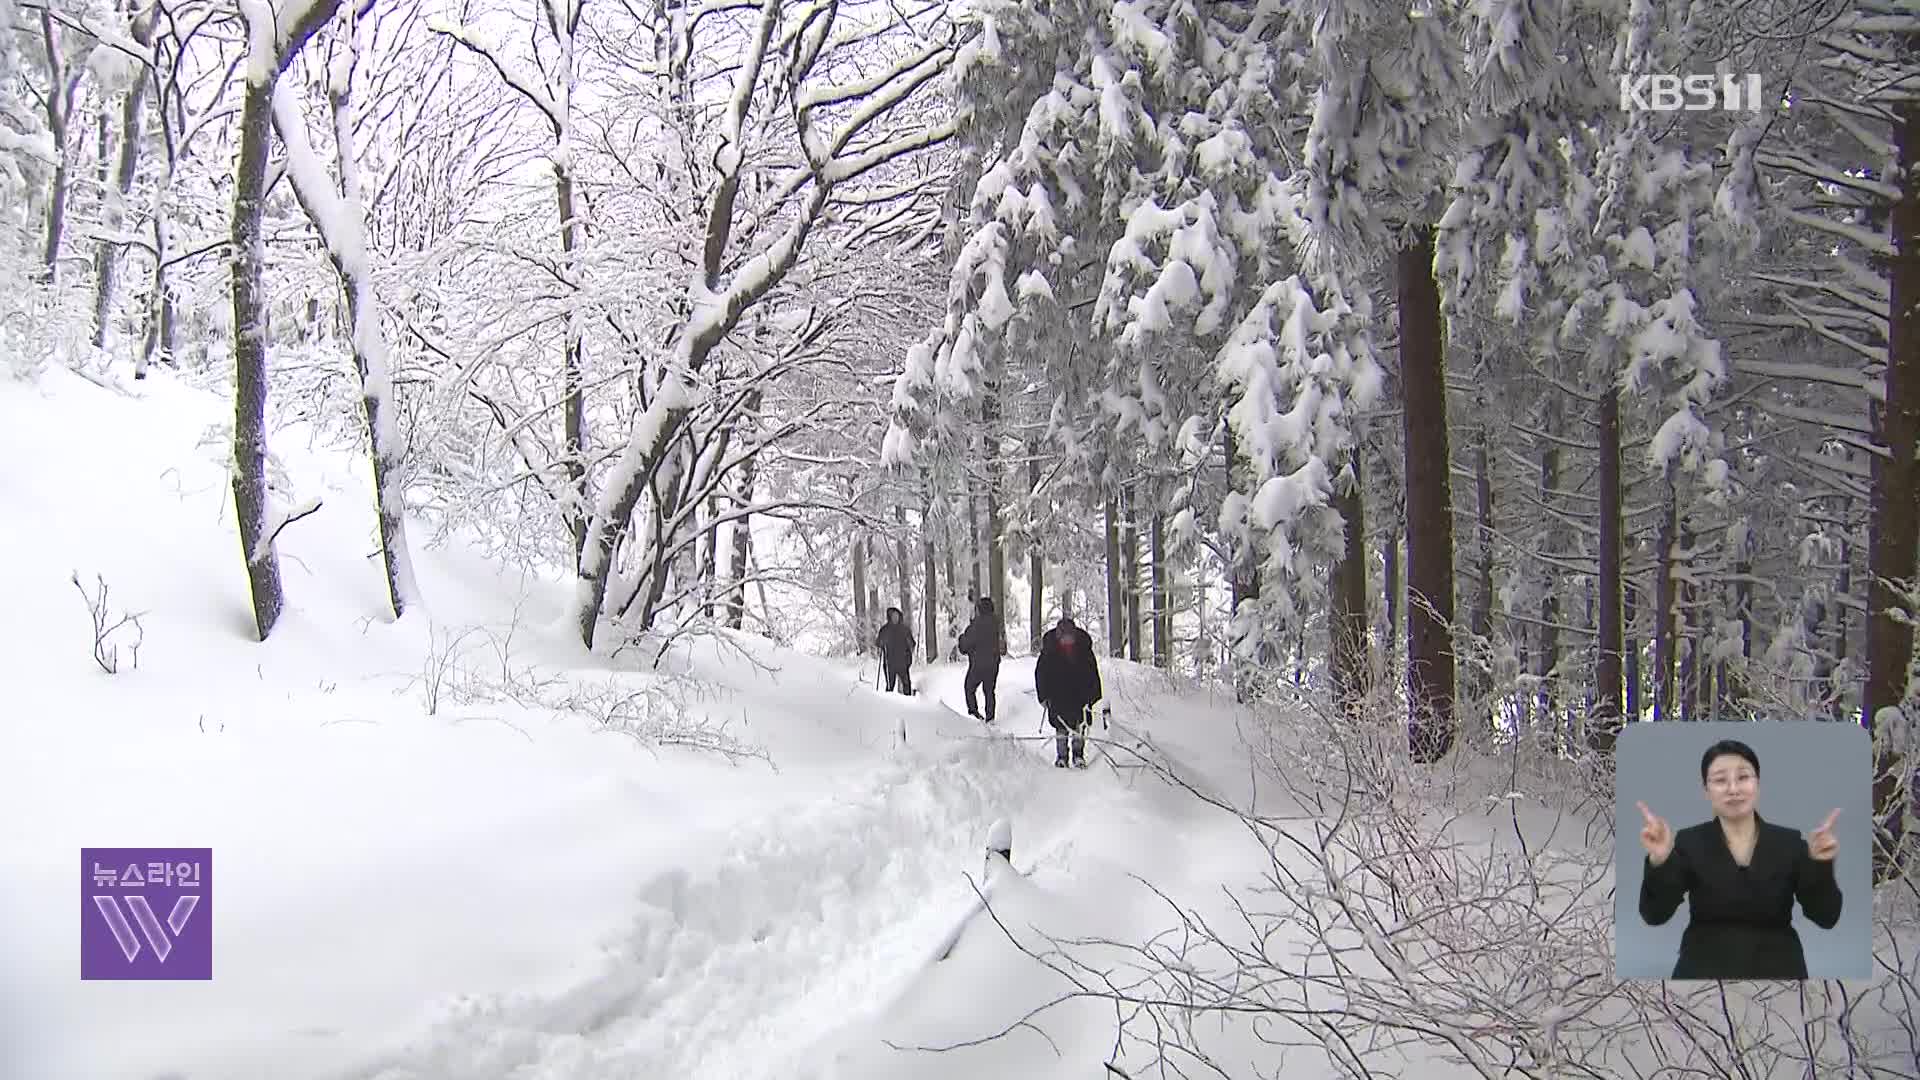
(536, 94)
(274, 33)
(717, 300)
(279, 516)
(38, 145)
(334, 219)
(339, 218)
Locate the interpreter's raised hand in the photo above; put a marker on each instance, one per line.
(1821, 843)
(1656, 836)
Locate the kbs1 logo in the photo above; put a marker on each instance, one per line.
(146, 913)
(1690, 93)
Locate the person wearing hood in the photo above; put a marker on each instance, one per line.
(1066, 679)
(984, 643)
(896, 651)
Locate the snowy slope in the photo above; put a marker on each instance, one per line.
(368, 858)
(489, 890)
(439, 853)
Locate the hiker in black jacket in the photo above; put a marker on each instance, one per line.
(896, 651)
(984, 643)
(1066, 679)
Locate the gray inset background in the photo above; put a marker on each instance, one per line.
(1807, 770)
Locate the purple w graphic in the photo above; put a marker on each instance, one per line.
(150, 927)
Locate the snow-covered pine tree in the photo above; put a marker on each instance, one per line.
(1667, 255)
(1530, 97)
(1844, 157)
(1387, 81)
(1628, 239)
(1133, 204)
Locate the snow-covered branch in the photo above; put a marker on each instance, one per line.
(537, 93)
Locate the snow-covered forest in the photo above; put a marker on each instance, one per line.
(1401, 413)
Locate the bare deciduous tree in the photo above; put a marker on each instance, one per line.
(272, 47)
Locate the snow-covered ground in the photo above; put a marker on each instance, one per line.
(440, 853)
(486, 889)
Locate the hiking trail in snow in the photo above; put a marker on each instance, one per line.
(815, 914)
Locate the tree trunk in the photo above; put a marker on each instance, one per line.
(1131, 557)
(996, 586)
(1813, 615)
(1894, 517)
(1721, 700)
(1663, 607)
(1688, 639)
(976, 539)
(1203, 643)
(1162, 608)
(58, 102)
(710, 558)
(1391, 573)
(1036, 556)
(1588, 591)
(1842, 589)
(1607, 715)
(572, 384)
(1347, 624)
(1700, 657)
(875, 611)
(107, 257)
(102, 143)
(1481, 620)
(1116, 626)
(902, 564)
(381, 414)
(650, 584)
(1743, 610)
(159, 342)
(1245, 584)
(572, 240)
(1430, 658)
(372, 358)
(250, 496)
(666, 568)
(1630, 663)
(862, 617)
(1549, 657)
(930, 610)
(742, 550)
(743, 525)
(956, 615)
(250, 359)
(996, 552)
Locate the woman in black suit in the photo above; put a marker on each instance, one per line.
(1741, 876)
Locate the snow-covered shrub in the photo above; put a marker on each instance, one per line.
(42, 325)
(1463, 910)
